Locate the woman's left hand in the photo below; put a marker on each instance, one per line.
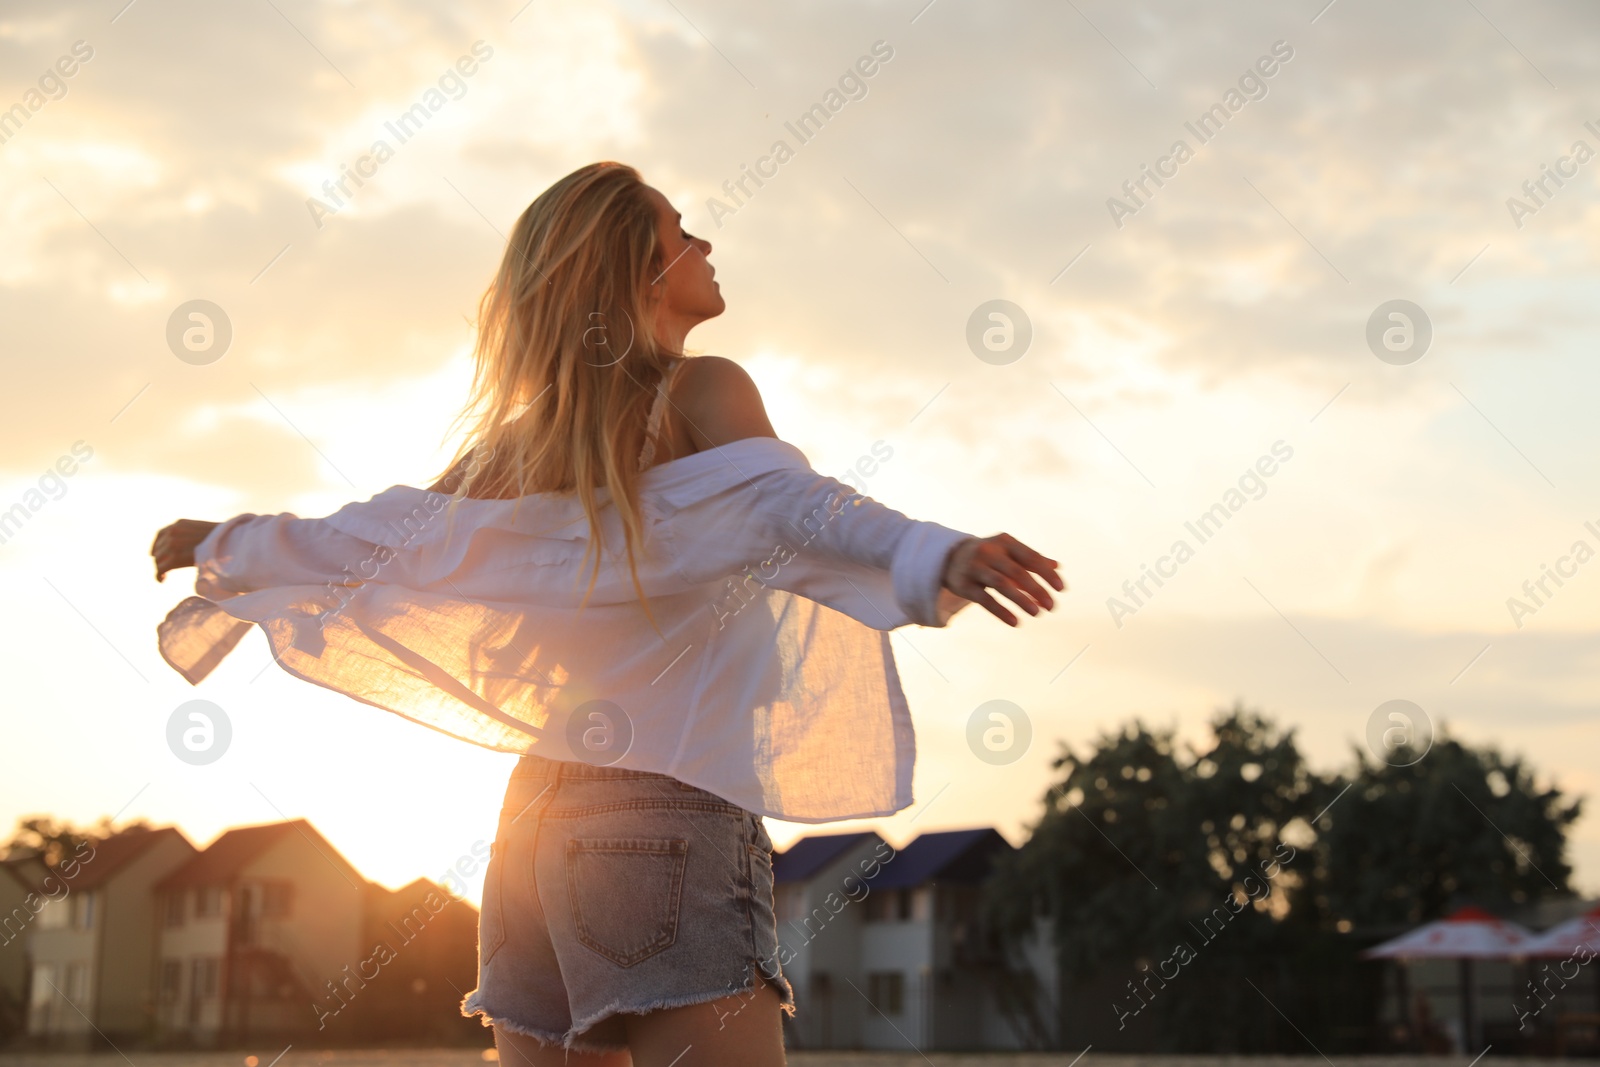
(174, 546)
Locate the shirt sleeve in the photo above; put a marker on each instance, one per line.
(797, 530)
(250, 552)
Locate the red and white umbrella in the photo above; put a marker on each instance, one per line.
(1467, 934)
(1569, 938)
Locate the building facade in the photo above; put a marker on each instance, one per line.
(90, 951)
(20, 906)
(268, 933)
(887, 949)
(252, 931)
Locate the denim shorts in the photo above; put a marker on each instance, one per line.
(612, 891)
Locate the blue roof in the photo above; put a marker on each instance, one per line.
(960, 856)
(809, 855)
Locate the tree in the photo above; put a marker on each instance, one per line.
(1459, 825)
(1150, 856)
(1200, 894)
(56, 841)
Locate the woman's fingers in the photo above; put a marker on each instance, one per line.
(976, 593)
(174, 545)
(1020, 556)
(1007, 585)
(961, 578)
(1020, 579)
(162, 552)
(158, 549)
(1039, 563)
(976, 582)
(1006, 565)
(1019, 585)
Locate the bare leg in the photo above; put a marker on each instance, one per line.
(742, 1030)
(520, 1050)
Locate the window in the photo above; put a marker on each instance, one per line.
(203, 977)
(886, 990)
(275, 899)
(208, 902)
(246, 912)
(171, 979)
(889, 905)
(174, 913)
(55, 915)
(44, 981)
(76, 985)
(83, 911)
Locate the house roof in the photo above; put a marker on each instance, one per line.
(223, 860)
(111, 855)
(959, 856)
(809, 855)
(116, 852)
(25, 871)
(385, 902)
(421, 887)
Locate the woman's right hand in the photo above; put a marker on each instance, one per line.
(174, 545)
(1001, 563)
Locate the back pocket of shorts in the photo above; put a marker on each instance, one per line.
(625, 894)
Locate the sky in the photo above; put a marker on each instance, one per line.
(1162, 345)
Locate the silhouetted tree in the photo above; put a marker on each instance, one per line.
(1460, 825)
(56, 840)
(1200, 893)
(1151, 856)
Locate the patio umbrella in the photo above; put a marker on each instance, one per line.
(1466, 934)
(1568, 938)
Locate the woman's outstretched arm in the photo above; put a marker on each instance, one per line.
(719, 403)
(249, 552)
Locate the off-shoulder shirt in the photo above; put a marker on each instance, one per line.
(770, 682)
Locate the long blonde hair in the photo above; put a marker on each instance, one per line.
(566, 360)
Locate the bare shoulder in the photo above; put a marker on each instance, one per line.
(718, 402)
(716, 376)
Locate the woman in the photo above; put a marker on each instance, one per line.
(627, 911)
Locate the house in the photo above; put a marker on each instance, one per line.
(888, 949)
(91, 945)
(140, 939)
(19, 906)
(429, 954)
(270, 932)
(254, 931)
(935, 973)
(818, 884)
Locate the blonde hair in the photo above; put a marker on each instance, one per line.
(566, 360)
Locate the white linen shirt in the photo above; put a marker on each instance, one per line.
(771, 681)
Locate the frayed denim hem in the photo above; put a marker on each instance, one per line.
(786, 1000)
(618, 1007)
(472, 1004)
